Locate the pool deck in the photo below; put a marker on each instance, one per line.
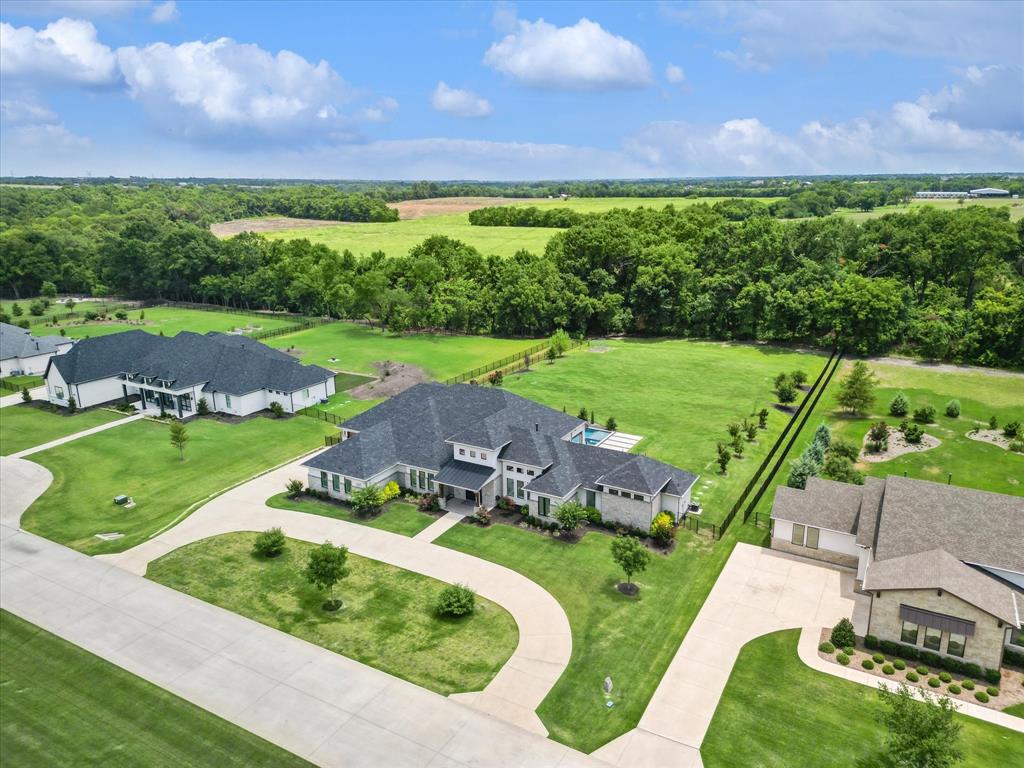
(620, 441)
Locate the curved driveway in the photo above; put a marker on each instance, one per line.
(545, 640)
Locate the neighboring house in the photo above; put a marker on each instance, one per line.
(471, 444)
(235, 374)
(21, 353)
(944, 565)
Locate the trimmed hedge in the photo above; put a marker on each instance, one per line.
(934, 682)
(888, 669)
(981, 696)
(922, 670)
(913, 676)
(945, 677)
(827, 647)
(848, 650)
(900, 664)
(967, 684)
(878, 658)
(1013, 658)
(843, 659)
(954, 689)
(992, 691)
(993, 676)
(868, 664)
(871, 642)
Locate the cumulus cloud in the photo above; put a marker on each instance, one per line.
(781, 29)
(29, 128)
(674, 74)
(986, 97)
(163, 13)
(582, 57)
(65, 51)
(380, 112)
(458, 102)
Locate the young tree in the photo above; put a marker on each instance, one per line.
(179, 437)
(857, 389)
(900, 405)
(921, 734)
(663, 529)
(724, 455)
(69, 305)
(737, 446)
(16, 309)
(878, 436)
(570, 516)
(751, 429)
(551, 355)
(277, 409)
(72, 404)
(294, 488)
(785, 392)
(631, 555)
(611, 424)
(803, 468)
(842, 634)
(559, 342)
(734, 430)
(953, 409)
(202, 407)
(48, 289)
(762, 419)
(25, 396)
(582, 414)
(822, 436)
(798, 377)
(325, 568)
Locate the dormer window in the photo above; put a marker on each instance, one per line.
(462, 451)
(483, 455)
(472, 454)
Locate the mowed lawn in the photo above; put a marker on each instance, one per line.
(972, 463)
(631, 639)
(778, 713)
(398, 517)
(388, 620)
(25, 426)
(356, 347)
(679, 395)
(61, 705)
(167, 320)
(138, 460)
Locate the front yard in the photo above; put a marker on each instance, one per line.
(783, 714)
(138, 460)
(63, 706)
(26, 426)
(388, 621)
(397, 517)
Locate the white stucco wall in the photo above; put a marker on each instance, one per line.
(475, 455)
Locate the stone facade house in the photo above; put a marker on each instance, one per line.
(944, 565)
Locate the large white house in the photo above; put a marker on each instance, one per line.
(21, 353)
(471, 444)
(234, 374)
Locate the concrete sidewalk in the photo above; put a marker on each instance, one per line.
(435, 529)
(39, 393)
(77, 435)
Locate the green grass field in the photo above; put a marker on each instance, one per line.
(388, 620)
(166, 320)
(1016, 208)
(138, 460)
(601, 204)
(973, 464)
(356, 347)
(679, 395)
(25, 380)
(777, 713)
(631, 639)
(399, 517)
(25, 426)
(60, 705)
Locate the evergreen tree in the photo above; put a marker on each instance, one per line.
(857, 389)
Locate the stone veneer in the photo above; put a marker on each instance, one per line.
(637, 514)
(827, 555)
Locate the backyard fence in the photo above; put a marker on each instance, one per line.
(269, 333)
(509, 362)
(330, 440)
(695, 524)
(320, 414)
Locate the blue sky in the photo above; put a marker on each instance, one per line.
(509, 90)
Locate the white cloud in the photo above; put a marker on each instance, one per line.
(581, 57)
(78, 8)
(65, 51)
(29, 129)
(163, 13)
(380, 112)
(986, 97)
(770, 32)
(674, 74)
(25, 112)
(457, 102)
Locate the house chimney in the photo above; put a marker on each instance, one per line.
(536, 426)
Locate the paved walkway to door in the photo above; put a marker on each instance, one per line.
(759, 591)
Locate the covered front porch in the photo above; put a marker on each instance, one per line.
(462, 486)
(180, 404)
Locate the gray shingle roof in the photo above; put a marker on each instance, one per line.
(823, 504)
(938, 569)
(462, 474)
(870, 508)
(104, 356)
(17, 342)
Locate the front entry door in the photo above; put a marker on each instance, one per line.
(470, 496)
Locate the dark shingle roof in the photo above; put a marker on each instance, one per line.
(104, 356)
(17, 342)
(870, 507)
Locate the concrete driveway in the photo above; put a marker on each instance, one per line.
(759, 591)
(39, 393)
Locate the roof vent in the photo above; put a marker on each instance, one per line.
(536, 426)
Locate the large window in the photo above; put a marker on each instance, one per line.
(909, 633)
(591, 499)
(59, 392)
(348, 486)
(932, 638)
(423, 479)
(1017, 637)
(336, 482)
(543, 506)
(798, 535)
(430, 482)
(519, 489)
(323, 479)
(956, 644)
(812, 538)
(805, 536)
(510, 486)
(227, 401)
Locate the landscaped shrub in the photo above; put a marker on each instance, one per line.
(202, 407)
(842, 634)
(931, 658)
(1013, 658)
(888, 669)
(934, 682)
(913, 433)
(993, 422)
(900, 405)
(973, 670)
(887, 646)
(953, 689)
(848, 650)
(925, 414)
(878, 437)
(827, 647)
(945, 677)
(1017, 445)
(953, 409)
(389, 491)
(911, 652)
(981, 696)
(868, 664)
(922, 670)
(871, 642)
(900, 664)
(993, 676)
(428, 502)
(456, 600)
(276, 408)
(913, 676)
(270, 543)
(843, 659)
(482, 516)
(968, 684)
(878, 658)
(663, 529)
(992, 691)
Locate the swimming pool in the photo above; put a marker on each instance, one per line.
(595, 435)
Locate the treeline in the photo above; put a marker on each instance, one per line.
(943, 284)
(525, 216)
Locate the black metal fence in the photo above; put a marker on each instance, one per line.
(320, 414)
(508, 361)
(330, 440)
(269, 333)
(695, 524)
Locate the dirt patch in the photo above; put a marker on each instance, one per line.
(898, 446)
(990, 436)
(394, 378)
(946, 367)
(439, 206)
(274, 224)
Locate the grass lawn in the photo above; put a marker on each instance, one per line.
(973, 464)
(356, 347)
(631, 639)
(168, 320)
(776, 711)
(397, 517)
(24, 426)
(60, 705)
(689, 392)
(347, 381)
(138, 460)
(388, 621)
(1017, 710)
(1015, 207)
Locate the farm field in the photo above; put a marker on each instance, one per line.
(166, 320)
(138, 460)
(601, 204)
(973, 464)
(357, 347)
(64, 706)
(787, 714)
(1016, 208)
(388, 620)
(25, 426)
(680, 397)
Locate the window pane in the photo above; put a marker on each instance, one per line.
(956, 644)
(812, 538)
(430, 482)
(423, 479)
(510, 486)
(932, 638)
(798, 535)
(591, 499)
(909, 633)
(348, 485)
(1017, 637)
(336, 482)
(323, 479)
(519, 489)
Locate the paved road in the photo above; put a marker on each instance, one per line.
(759, 591)
(69, 438)
(39, 393)
(545, 639)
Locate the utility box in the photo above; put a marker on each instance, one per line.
(121, 500)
